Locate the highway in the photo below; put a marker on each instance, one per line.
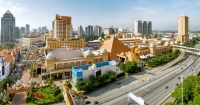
(155, 92)
(113, 96)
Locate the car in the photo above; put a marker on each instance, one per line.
(118, 83)
(166, 87)
(87, 102)
(96, 102)
(179, 77)
(85, 97)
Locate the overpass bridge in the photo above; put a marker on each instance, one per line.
(187, 49)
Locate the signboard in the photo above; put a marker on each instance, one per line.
(139, 100)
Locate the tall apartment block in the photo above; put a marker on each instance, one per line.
(17, 32)
(7, 27)
(142, 27)
(63, 27)
(183, 36)
(122, 29)
(89, 30)
(61, 37)
(22, 29)
(80, 30)
(97, 30)
(27, 28)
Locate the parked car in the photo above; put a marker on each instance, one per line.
(87, 102)
(85, 97)
(96, 102)
(166, 87)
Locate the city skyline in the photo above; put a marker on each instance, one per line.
(120, 13)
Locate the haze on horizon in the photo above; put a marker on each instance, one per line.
(118, 13)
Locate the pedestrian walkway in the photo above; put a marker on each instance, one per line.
(19, 99)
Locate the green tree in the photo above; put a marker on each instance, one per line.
(68, 84)
(80, 85)
(92, 77)
(112, 74)
(89, 85)
(96, 83)
(130, 67)
(50, 81)
(4, 82)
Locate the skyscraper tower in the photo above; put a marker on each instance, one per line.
(80, 30)
(7, 27)
(142, 27)
(63, 27)
(97, 30)
(27, 28)
(183, 36)
(89, 30)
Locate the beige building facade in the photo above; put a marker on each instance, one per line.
(61, 37)
(58, 62)
(183, 36)
(62, 27)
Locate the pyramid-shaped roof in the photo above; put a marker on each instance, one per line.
(114, 47)
(8, 13)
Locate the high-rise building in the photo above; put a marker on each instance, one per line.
(27, 28)
(34, 30)
(97, 30)
(52, 25)
(80, 30)
(22, 29)
(183, 36)
(17, 32)
(44, 29)
(7, 27)
(142, 27)
(89, 30)
(122, 29)
(62, 27)
(39, 30)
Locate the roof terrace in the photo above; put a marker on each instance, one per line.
(93, 66)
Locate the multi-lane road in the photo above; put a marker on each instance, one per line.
(156, 92)
(153, 92)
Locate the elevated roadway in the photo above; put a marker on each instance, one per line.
(114, 95)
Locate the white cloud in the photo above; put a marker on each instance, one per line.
(14, 8)
(149, 10)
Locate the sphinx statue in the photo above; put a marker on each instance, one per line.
(133, 55)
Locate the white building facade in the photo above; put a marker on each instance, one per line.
(83, 72)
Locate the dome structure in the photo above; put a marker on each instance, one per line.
(176, 42)
(152, 45)
(140, 46)
(50, 56)
(47, 47)
(166, 43)
(145, 41)
(94, 66)
(172, 43)
(88, 53)
(103, 51)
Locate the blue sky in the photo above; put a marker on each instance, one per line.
(119, 13)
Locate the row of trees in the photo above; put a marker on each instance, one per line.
(191, 92)
(93, 82)
(130, 67)
(193, 42)
(3, 86)
(160, 60)
(7, 46)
